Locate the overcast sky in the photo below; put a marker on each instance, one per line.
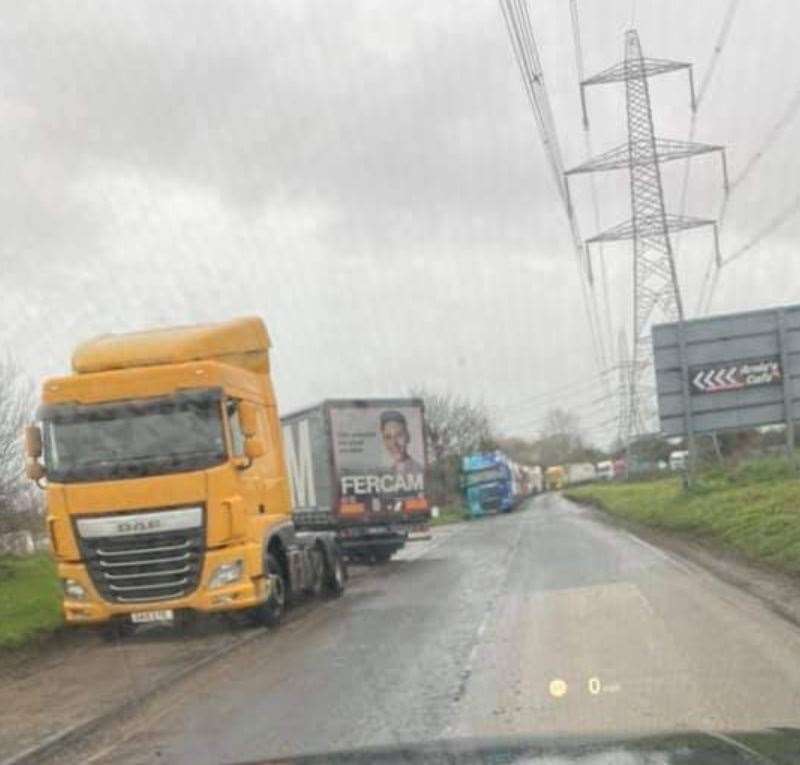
(368, 177)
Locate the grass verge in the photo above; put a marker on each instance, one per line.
(29, 598)
(754, 509)
(451, 513)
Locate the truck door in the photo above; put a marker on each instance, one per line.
(252, 483)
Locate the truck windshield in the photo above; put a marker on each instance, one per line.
(484, 476)
(133, 438)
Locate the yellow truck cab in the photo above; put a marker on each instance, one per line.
(166, 483)
(555, 478)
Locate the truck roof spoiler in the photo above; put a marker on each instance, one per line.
(242, 342)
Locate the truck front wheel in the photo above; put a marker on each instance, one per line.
(335, 574)
(270, 612)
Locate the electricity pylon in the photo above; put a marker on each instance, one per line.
(655, 279)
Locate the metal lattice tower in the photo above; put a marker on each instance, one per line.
(655, 280)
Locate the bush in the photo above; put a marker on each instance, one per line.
(30, 600)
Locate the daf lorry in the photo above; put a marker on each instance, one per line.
(488, 483)
(357, 468)
(167, 488)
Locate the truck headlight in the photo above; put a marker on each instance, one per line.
(73, 589)
(227, 573)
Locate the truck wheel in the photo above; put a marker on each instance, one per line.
(335, 574)
(270, 612)
(317, 555)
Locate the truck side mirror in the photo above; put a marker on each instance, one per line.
(248, 418)
(34, 469)
(253, 447)
(33, 442)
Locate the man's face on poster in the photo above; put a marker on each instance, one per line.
(395, 440)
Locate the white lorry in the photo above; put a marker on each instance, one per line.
(580, 472)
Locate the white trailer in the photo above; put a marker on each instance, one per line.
(580, 472)
(605, 470)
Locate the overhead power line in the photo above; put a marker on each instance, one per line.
(588, 153)
(773, 225)
(774, 134)
(722, 38)
(539, 423)
(712, 275)
(584, 406)
(569, 389)
(719, 46)
(523, 43)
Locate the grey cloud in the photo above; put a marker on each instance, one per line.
(368, 175)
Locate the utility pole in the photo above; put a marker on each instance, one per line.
(655, 279)
(624, 401)
(623, 382)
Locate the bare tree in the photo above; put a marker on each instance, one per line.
(561, 437)
(454, 426)
(16, 407)
(560, 422)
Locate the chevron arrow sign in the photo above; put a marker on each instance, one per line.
(734, 376)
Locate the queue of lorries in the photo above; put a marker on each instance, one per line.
(493, 482)
(173, 486)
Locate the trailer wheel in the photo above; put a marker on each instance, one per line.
(335, 574)
(270, 612)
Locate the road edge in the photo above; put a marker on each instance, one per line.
(777, 590)
(70, 735)
(53, 743)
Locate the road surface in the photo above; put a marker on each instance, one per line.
(542, 621)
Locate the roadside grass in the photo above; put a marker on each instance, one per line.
(29, 598)
(451, 513)
(754, 509)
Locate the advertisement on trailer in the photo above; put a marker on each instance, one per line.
(379, 450)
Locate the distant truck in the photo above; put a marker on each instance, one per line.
(489, 482)
(534, 481)
(167, 484)
(580, 472)
(357, 468)
(677, 460)
(555, 478)
(605, 470)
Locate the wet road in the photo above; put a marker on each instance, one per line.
(542, 621)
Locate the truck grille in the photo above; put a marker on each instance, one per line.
(145, 567)
(491, 496)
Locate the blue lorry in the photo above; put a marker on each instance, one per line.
(488, 483)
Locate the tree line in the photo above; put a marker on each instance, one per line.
(20, 506)
(455, 426)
